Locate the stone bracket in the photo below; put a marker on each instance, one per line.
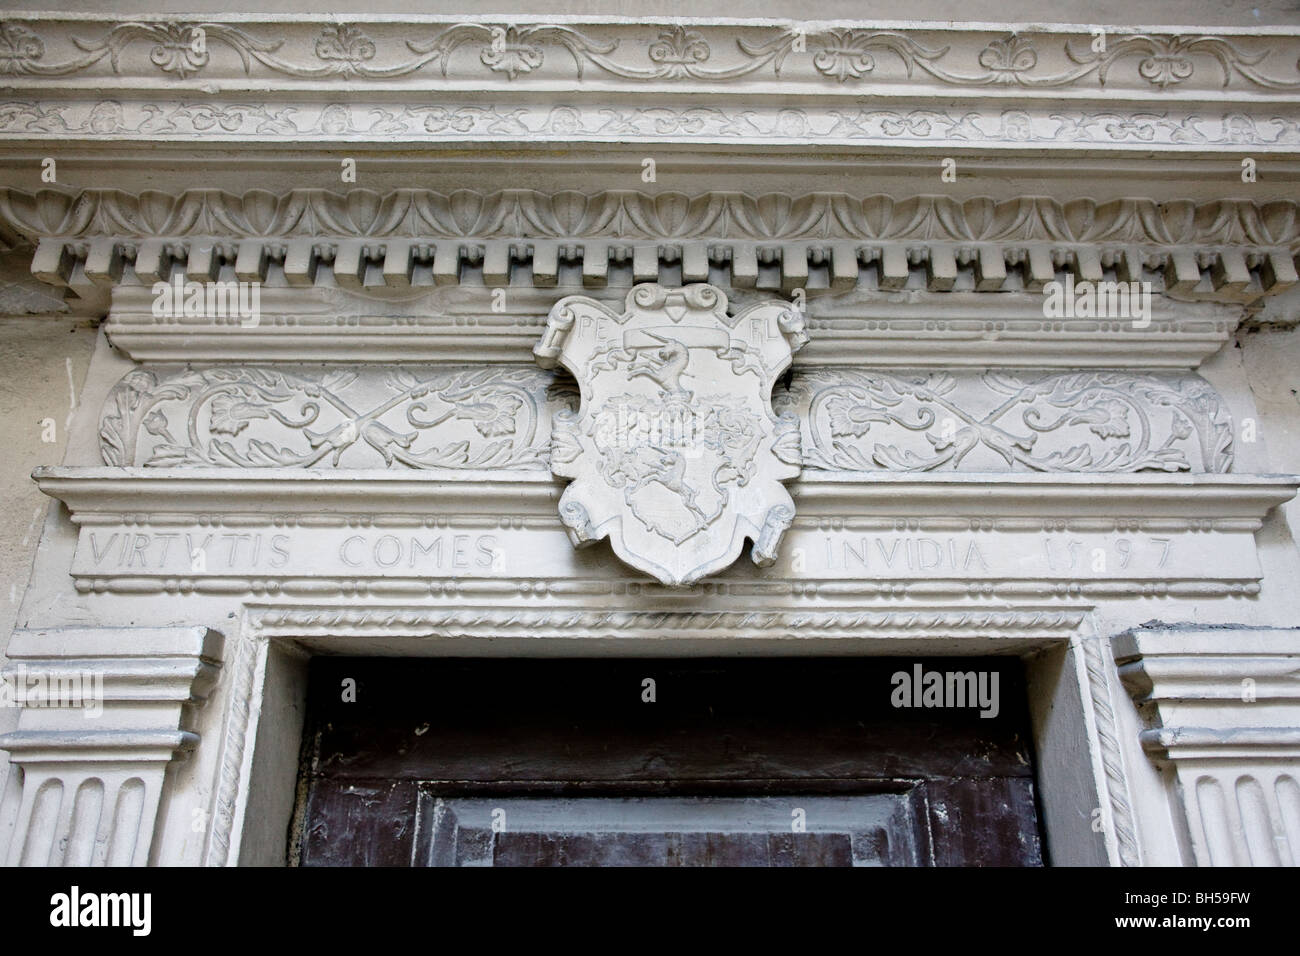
(104, 712)
(1222, 707)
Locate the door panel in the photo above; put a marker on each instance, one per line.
(858, 830)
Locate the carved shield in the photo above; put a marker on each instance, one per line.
(675, 453)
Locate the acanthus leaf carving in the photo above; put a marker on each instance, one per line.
(1090, 421)
(848, 420)
(251, 417)
(628, 214)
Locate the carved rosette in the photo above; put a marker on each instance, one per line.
(676, 454)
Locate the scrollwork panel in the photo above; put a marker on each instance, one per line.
(1001, 420)
(500, 417)
(331, 417)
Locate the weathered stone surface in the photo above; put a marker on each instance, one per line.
(365, 467)
(675, 453)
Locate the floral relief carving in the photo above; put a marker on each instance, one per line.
(359, 121)
(20, 48)
(676, 53)
(251, 417)
(1089, 421)
(1168, 60)
(510, 49)
(177, 48)
(506, 417)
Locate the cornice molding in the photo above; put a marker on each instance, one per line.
(211, 493)
(866, 326)
(498, 536)
(1225, 250)
(1214, 693)
(371, 82)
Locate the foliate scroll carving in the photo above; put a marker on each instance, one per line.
(676, 454)
(511, 119)
(1089, 421)
(252, 417)
(704, 52)
(846, 419)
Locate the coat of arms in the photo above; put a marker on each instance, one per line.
(675, 453)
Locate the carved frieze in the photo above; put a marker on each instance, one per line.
(1005, 420)
(831, 55)
(502, 417)
(126, 80)
(260, 417)
(1053, 127)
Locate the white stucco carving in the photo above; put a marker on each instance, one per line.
(675, 453)
(1223, 716)
(376, 465)
(92, 781)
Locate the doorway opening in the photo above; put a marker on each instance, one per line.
(703, 762)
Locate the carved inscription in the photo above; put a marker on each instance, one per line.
(302, 551)
(450, 552)
(461, 552)
(126, 549)
(1065, 556)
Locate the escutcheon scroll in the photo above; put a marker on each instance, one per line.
(675, 453)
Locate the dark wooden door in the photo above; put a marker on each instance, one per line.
(759, 762)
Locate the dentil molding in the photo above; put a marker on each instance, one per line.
(1231, 251)
(631, 214)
